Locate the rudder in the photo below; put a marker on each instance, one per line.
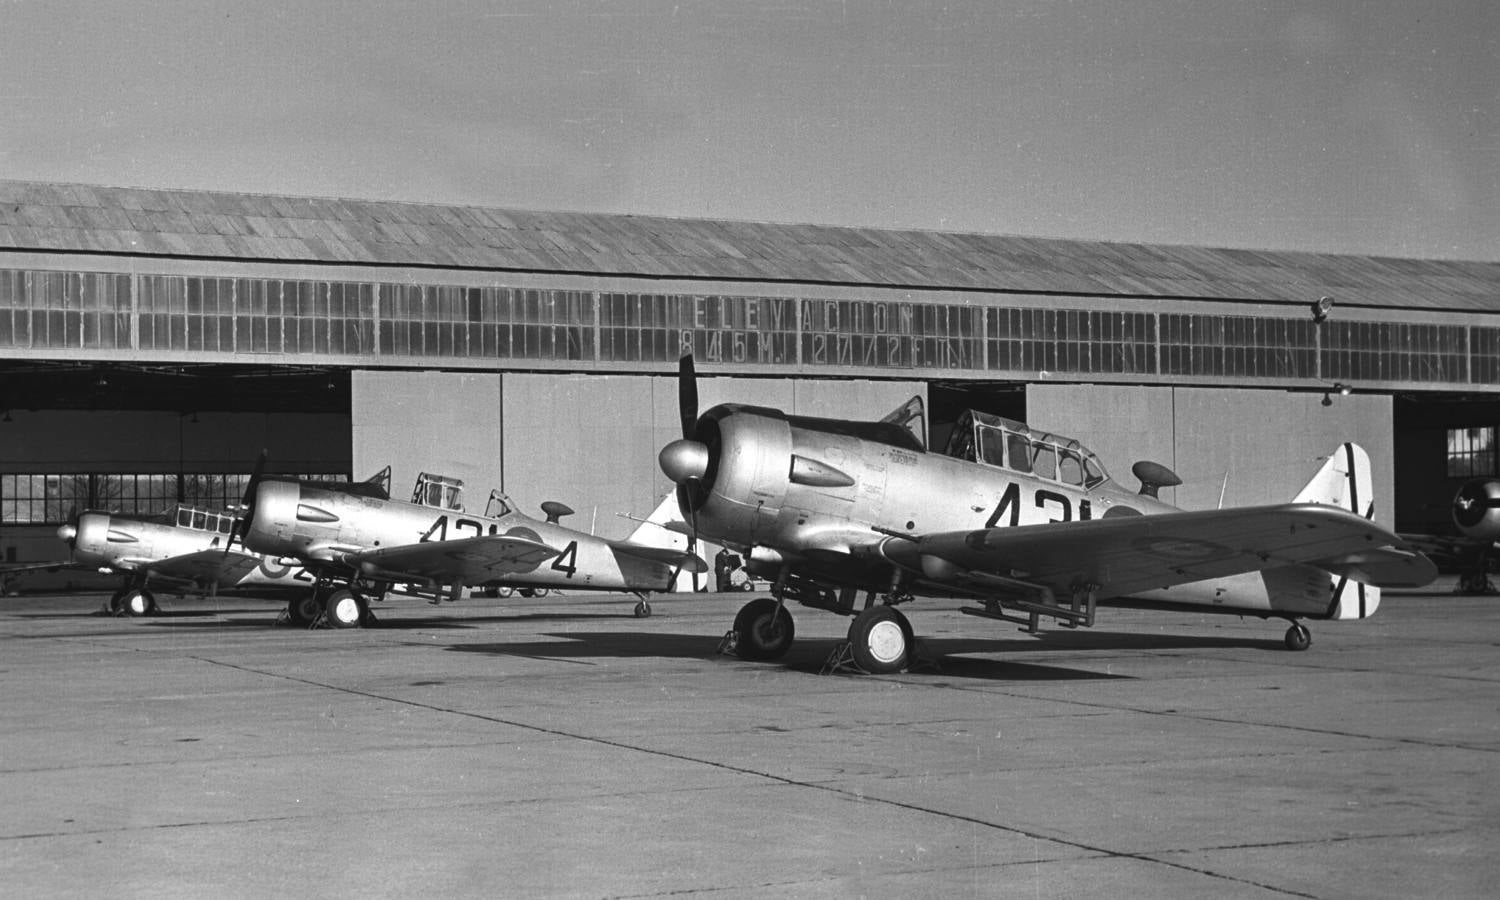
(1345, 481)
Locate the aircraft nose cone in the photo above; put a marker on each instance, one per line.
(68, 532)
(684, 461)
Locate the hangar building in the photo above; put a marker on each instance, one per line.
(153, 342)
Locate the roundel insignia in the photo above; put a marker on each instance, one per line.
(1181, 549)
(522, 532)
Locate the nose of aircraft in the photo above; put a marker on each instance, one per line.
(684, 461)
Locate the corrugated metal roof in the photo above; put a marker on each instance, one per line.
(89, 218)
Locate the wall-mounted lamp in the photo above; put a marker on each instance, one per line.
(1320, 309)
(1343, 390)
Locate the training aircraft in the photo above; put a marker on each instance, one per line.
(1027, 523)
(358, 548)
(192, 550)
(1476, 513)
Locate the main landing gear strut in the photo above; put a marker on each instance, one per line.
(880, 639)
(329, 604)
(132, 600)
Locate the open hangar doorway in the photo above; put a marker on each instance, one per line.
(1441, 442)
(139, 438)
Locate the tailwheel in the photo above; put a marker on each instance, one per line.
(345, 609)
(880, 639)
(303, 610)
(1298, 637)
(643, 610)
(763, 630)
(137, 602)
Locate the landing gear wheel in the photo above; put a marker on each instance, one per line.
(643, 610)
(1298, 637)
(880, 639)
(762, 633)
(139, 602)
(344, 608)
(303, 610)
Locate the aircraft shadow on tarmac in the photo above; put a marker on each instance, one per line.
(426, 623)
(949, 655)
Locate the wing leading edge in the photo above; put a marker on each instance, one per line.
(1129, 555)
(467, 561)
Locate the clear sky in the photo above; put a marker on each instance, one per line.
(1354, 126)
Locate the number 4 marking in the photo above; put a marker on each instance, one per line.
(567, 561)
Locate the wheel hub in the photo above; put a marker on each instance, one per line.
(886, 641)
(346, 609)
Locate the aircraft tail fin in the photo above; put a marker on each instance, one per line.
(1344, 481)
(665, 527)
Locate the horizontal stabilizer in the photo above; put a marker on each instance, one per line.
(677, 559)
(1386, 567)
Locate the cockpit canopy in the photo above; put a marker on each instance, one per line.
(204, 520)
(439, 491)
(1005, 443)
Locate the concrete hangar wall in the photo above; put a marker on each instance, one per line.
(535, 351)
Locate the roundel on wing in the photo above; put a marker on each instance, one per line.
(1180, 549)
(521, 531)
(1114, 512)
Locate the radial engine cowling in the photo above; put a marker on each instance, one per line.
(734, 470)
(1476, 509)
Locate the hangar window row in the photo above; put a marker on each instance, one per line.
(106, 311)
(51, 499)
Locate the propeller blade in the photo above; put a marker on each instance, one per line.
(683, 493)
(687, 395)
(247, 502)
(69, 531)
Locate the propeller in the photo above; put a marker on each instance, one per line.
(68, 532)
(685, 461)
(241, 527)
(687, 395)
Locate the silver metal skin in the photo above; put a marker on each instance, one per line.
(1026, 522)
(353, 539)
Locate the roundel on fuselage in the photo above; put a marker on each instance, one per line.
(522, 531)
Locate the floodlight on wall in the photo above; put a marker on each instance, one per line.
(1320, 309)
(1343, 390)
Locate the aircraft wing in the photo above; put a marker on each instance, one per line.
(1130, 554)
(473, 560)
(204, 565)
(10, 571)
(677, 559)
